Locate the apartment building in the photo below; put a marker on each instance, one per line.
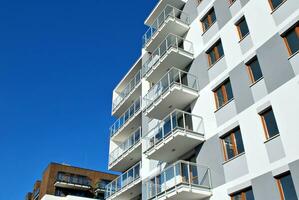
(65, 182)
(210, 109)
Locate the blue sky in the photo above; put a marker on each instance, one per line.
(59, 62)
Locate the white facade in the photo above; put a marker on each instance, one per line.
(180, 122)
(69, 197)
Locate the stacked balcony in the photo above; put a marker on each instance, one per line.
(72, 181)
(126, 93)
(126, 186)
(127, 153)
(175, 90)
(174, 51)
(170, 20)
(182, 180)
(167, 141)
(129, 121)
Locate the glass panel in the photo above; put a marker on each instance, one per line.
(288, 187)
(237, 197)
(167, 127)
(229, 147)
(293, 41)
(194, 174)
(276, 3)
(185, 173)
(255, 69)
(205, 23)
(239, 141)
(213, 16)
(220, 97)
(212, 56)
(249, 195)
(169, 177)
(220, 49)
(229, 90)
(270, 123)
(243, 28)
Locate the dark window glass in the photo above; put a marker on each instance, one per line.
(243, 28)
(270, 123)
(213, 16)
(255, 70)
(233, 144)
(220, 50)
(220, 97)
(275, 3)
(229, 91)
(244, 195)
(288, 188)
(209, 19)
(215, 53)
(249, 195)
(292, 40)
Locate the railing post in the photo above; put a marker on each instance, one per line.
(184, 121)
(177, 43)
(189, 173)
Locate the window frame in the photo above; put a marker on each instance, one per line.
(209, 18)
(237, 24)
(242, 193)
(215, 50)
(250, 72)
(265, 127)
(279, 185)
(224, 94)
(232, 135)
(295, 28)
(272, 7)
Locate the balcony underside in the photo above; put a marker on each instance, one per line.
(127, 160)
(129, 99)
(129, 192)
(174, 145)
(176, 97)
(174, 57)
(71, 186)
(171, 25)
(159, 8)
(185, 192)
(124, 132)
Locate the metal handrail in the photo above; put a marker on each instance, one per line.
(173, 76)
(177, 119)
(181, 172)
(121, 121)
(123, 180)
(127, 90)
(171, 41)
(125, 146)
(168, 11)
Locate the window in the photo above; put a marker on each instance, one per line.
(246, 194)
(232, 144)
(254, 70)
(269, 123)
(286, 187)
(223, 94)
(242, 28)
(215, 53)
(275, 3)
(291, 40)
(208, 20)
(231, 2)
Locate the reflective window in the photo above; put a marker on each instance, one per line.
(269, 123)
(247, 194)
(291, 39)
(223, 94)
(254, 70)
(242, 28)
(275, 3)
(232, 144)
(215, 53)
(286, 187)
(208, 20)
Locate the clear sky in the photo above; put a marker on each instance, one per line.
(59, 62)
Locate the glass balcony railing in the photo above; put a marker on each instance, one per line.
(169, 11)
(177, 120)
(173, 76)
(123, 180)
(171, 41)
(134, 108)
(73, 179)
(179, 174)
(127, 90)
(126, 146)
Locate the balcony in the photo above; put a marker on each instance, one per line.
(127, 94)
(160, 6)
(128, 122)
(36, 194)
(170, 20)
(126, 186)
(180, 181)
(167, 141)
(127, 153)
(173, 51)
(72, 181)
(176, 90)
